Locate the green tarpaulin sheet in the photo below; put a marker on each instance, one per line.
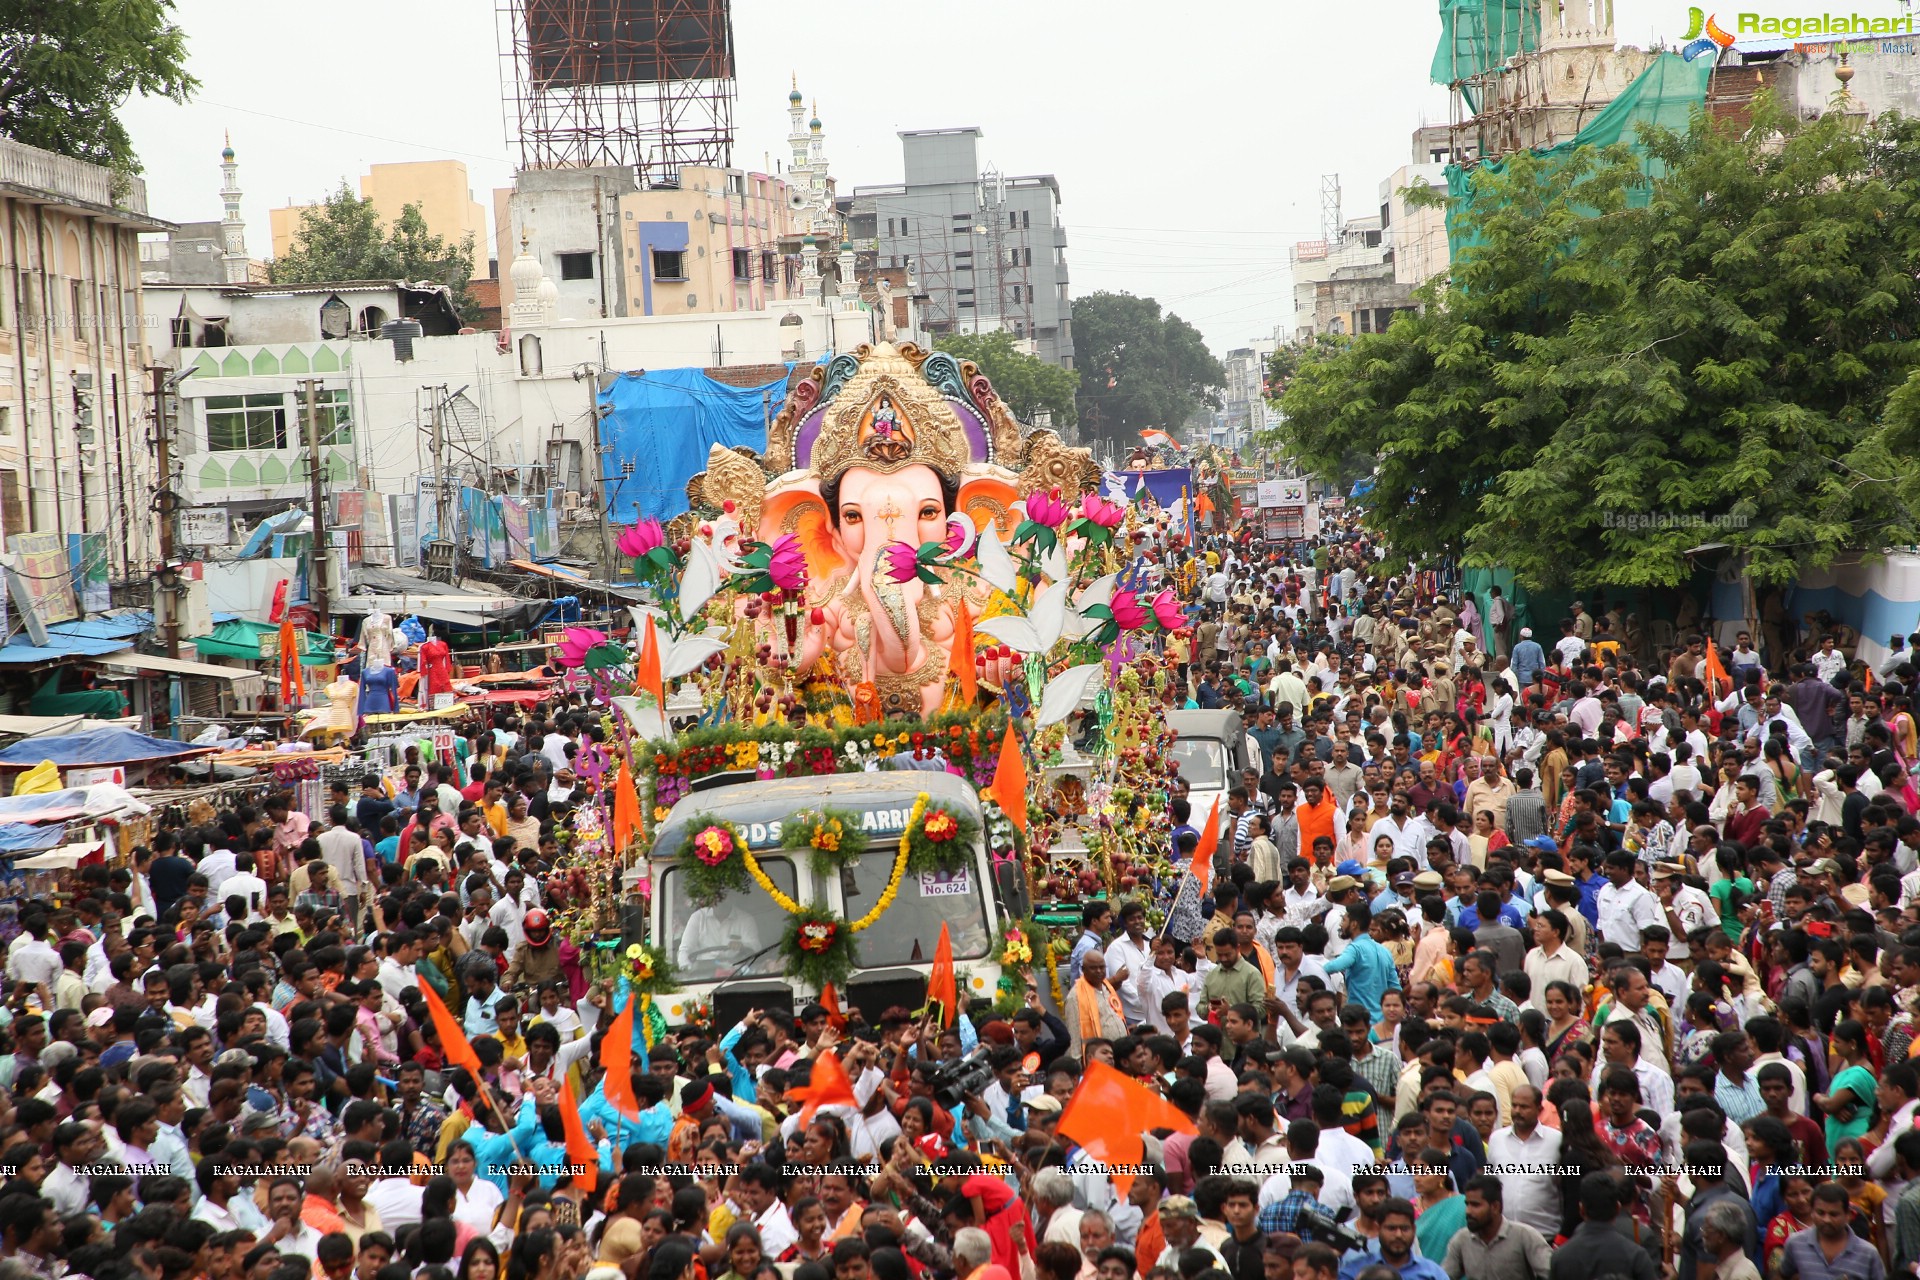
(1666, 95)
(98, 704)
(1476, 36)
(238, 638)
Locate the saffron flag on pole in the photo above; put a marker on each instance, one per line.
(453, 1041)
(1717, 678)
(1209, 841)
(829, 1087)
(942, 986)
(647, 668)
(1009, 787)
(1107, 1114)
(830, 1001)
(616, 1056)
(626, 810)
(580, 1149)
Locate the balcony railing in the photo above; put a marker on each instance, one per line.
(63, 176)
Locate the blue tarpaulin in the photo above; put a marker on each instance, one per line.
(662, 424)
(98, 747)
(20, 838)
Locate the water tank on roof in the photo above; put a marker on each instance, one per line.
(401, 333)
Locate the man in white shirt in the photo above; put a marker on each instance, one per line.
(1153, 984)
(397, 1200)
(756, 1189)
(1551, 959)
(243, 884)
(35, 961)
(218, 866)
(1130, 954)
(1625, 906)
(1525, 1152)
(345, 855)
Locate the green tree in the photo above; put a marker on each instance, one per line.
(1621, 369)
(1027, 383)
(342, 239)
(67, 66)
(1140, 368)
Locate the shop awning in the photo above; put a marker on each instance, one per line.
(155, 665)
(242, 639)
(96, 748)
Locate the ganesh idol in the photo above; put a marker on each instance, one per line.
(881, 446)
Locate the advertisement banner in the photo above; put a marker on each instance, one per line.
(349, 509)
(513, 514)
(544, 527)
(88, 554)
(46, 574)
(476, 513)
(406, 530)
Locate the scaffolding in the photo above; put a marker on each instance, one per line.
(640, 84)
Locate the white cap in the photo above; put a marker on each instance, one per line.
(1526, 633)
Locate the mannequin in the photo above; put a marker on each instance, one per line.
(379, 690)
(376, 640)
(436, 667)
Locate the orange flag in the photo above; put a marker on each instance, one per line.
(626, 810)
(1717, 678)
(616, 1056)
(942, 985)
(1209, 841)
(1009, 787)
(830, 1001)
(1107, 1114)
(960, 654)
(1869, 676)
(453, 1041)
(829, 1087)
(647, 670)
(580, 1148)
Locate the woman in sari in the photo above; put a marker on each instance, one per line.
(1565, 1023)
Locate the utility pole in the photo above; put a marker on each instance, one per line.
(591, 375)
(442, 495)
(322, 553)
(164, 503)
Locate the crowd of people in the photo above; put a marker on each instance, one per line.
(1502, 948)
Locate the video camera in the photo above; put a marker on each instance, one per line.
(1327, 1229)
(951, 1082)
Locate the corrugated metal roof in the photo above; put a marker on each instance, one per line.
(58, 649)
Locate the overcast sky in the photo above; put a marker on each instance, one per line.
(1189, 141)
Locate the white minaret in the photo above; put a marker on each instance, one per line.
(233, 228)
(849, 288)
(796, 137)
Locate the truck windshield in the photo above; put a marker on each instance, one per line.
(736, 937)
(1202, 761)
(910, 929)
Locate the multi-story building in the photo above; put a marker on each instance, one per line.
(985, 251)
(1347, 286)
(1244, 413)
(1419, 230)
(75, 457)
(438, 187)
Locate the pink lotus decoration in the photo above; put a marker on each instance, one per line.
(577, 644)
(1046, 509)
(1166, 612)
(900, 561)
(787, 566)
(1098, 510)
(1128, 611)
(637, 540)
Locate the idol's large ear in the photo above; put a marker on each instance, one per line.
(797, 508)
(988, 502)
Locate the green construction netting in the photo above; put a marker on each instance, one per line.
(1476, 36)
(1666, 94)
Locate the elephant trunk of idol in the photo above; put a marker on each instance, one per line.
(895, 615)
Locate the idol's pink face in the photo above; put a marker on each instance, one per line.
(875, 509)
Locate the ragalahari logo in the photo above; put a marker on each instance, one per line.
(1703, 35)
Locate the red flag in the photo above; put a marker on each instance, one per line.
(1009, 787)
(830, 1001)
(647, 670)
(616, 1056)
(1107, 1114)
(453, 1041)
(580, 1148)
(626, 810)
(942, 985)
(1209, 841)
(960, 655)
(829, 1087)
(293, 684)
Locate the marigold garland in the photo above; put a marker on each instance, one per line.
(943, 841)
(824, 834)
(887, 895)
(819, 949)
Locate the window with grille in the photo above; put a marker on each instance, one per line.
(246, 422)
(669, 264)
(742, 265)
(576, 266)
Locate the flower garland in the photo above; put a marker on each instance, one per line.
(942, 841)
(819, 949)
(711, 859)
(887, 895)
(649, 970)
(823, 833)
(1021, 943)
